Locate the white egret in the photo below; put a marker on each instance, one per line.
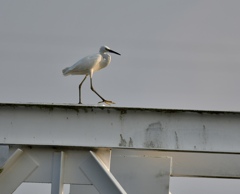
(88, 65)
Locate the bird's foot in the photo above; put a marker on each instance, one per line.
(108, 102)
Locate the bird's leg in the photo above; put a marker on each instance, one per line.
(103, 100)
(79, 88)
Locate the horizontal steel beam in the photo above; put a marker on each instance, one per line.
(120, 127)
(185, 164)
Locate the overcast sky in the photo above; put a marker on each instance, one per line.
(175, 54)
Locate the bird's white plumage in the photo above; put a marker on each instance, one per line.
(88, 65)
(84, 65)
(91, 63)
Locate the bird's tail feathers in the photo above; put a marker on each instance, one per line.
(65, 71)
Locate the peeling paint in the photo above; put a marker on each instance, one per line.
(130, 143)
(122, 113)
(123, 142)
(153, 134)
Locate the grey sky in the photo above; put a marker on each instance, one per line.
(175, 54)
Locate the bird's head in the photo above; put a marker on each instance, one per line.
(105, 49)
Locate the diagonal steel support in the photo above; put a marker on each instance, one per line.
(16, 169)
(100, 176)
(57, 173)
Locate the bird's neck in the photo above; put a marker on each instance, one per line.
(106, 59)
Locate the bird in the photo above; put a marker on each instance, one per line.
(88, 65)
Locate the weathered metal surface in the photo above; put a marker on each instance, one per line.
(142, 173)
(130, 167)
(57, 173)
(184, 164)
(118, 127)
(55, 140)
(16, 170)
(99, 175)
(188, 164)
(69, 166)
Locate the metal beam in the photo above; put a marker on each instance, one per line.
(117, 127)
(57, 173)
(125, 164)
(169, 142)
(100, 176)
(142, 173)
(105, 156)
(188, 164)
(16, 169)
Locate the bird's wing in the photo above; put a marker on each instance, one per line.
(84, 65)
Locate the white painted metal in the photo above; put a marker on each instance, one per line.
(44, 156)
(16, 169)
(67, 167)
(83, 189)
(12, 159)
(57, 173)
(52, 144)
(188, 164)
(142, 174)
(183, 164)
(101, 177)
(113, 127)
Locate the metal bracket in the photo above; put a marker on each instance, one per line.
(100, 176)
(16, 169)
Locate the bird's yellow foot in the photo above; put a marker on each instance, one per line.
(108, 102)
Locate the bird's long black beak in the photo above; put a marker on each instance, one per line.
(111, 51)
